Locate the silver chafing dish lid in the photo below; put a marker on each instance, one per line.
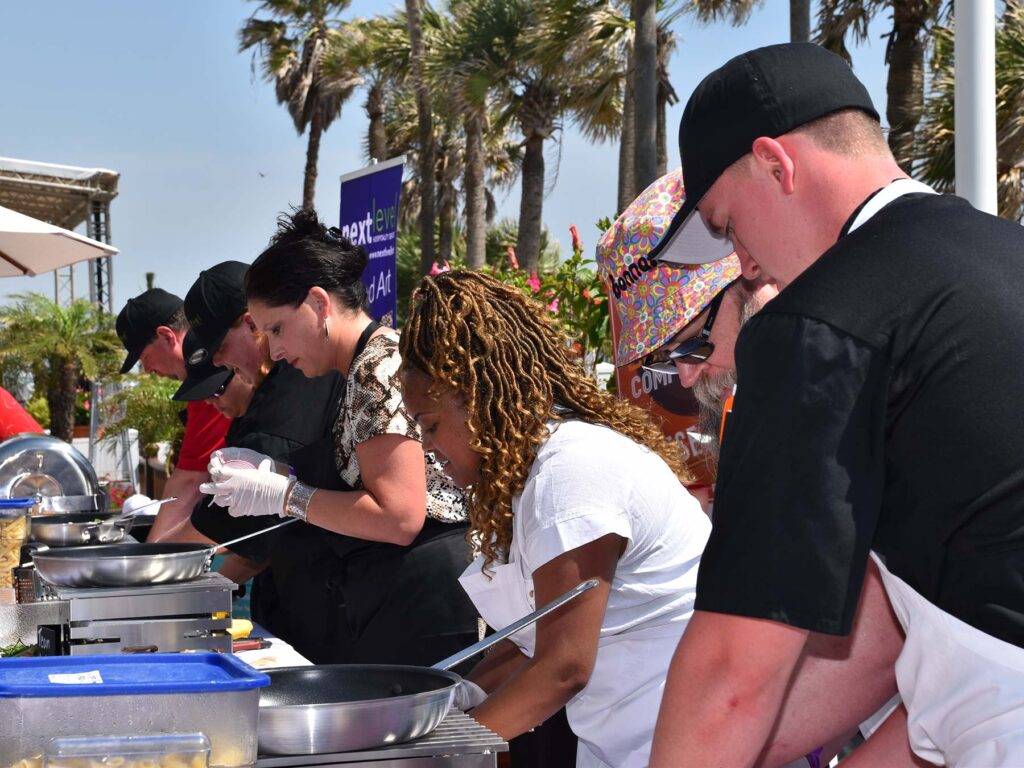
(55, 473)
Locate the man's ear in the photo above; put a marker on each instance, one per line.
(771, 157)
(166, 335)
(247, 319)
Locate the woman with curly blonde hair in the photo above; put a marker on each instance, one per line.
(564, 483)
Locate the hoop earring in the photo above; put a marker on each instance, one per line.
(327, 329)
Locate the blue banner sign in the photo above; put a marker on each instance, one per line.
(369, 217)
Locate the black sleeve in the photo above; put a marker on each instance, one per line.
(800, 478)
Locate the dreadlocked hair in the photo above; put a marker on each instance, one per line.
(510, 364)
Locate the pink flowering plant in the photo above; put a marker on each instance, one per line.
(569, 290)
(574, 294)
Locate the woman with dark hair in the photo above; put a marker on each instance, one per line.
(401, 521)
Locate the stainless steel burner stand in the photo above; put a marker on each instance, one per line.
(165, 617)
(458, 742)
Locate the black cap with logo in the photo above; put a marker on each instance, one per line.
(137, 322)
(203, 379)
(212, 305)
(765, 92)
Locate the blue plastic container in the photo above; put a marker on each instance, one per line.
(11, 509)
(20, 503)
(133, 695)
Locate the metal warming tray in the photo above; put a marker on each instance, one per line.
(52, 471)
(458, 742)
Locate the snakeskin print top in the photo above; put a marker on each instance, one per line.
(373, 406)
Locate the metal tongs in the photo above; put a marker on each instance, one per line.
(105, 528)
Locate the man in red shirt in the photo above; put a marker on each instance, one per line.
(15, 420)
(151, 327)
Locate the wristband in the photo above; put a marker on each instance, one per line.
(297, 500)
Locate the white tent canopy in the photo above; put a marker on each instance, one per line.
(29, 246)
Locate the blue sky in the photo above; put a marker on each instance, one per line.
(157, 91)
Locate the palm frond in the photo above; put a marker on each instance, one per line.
(735, 12)
(935, 162)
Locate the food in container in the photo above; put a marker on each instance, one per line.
(167, 750)
(52, 697)
(14, 529)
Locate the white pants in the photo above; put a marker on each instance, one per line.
(963, 688)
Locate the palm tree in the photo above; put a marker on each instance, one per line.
(292, 45)
(736, 12)
(627, 190)
(540, 76)
(666, 93)
(426, 131)
(936, 147)
(799, 21)
(645, 91)
(904, 54)
(456, 65)
(498, 159)
(71, 343)
(379, 51)
(610, 28)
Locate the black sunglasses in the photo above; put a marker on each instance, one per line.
(224, 385)
(693, 350)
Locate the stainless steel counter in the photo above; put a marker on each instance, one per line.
(458, 742)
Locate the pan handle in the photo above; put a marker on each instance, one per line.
(515, 626)
(260, 532)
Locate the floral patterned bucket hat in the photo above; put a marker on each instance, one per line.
(653, 301)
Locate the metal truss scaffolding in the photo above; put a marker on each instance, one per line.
(66, 196)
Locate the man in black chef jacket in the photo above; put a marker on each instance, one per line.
(898, 325)
(289, 418)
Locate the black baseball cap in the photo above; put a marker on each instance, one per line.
(212, 305)
(201, 379)
(765, 92)
(137, 322)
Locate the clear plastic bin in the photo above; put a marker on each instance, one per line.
(167, 750)
(74, 696)
(14, 529)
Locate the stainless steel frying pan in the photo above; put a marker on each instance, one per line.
(345, 707)
(69, 529)
(130, 565)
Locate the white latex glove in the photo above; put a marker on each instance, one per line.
(468, 695)
(247, 492)
(129, 505)
(245, 458)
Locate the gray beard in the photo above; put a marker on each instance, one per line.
(710, 391)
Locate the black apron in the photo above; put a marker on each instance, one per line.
(401, 605)
(404, 605)
(295, 598)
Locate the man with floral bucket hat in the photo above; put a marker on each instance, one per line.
(654, 302)
(685, 322)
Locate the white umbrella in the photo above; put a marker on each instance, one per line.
(30, 247)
